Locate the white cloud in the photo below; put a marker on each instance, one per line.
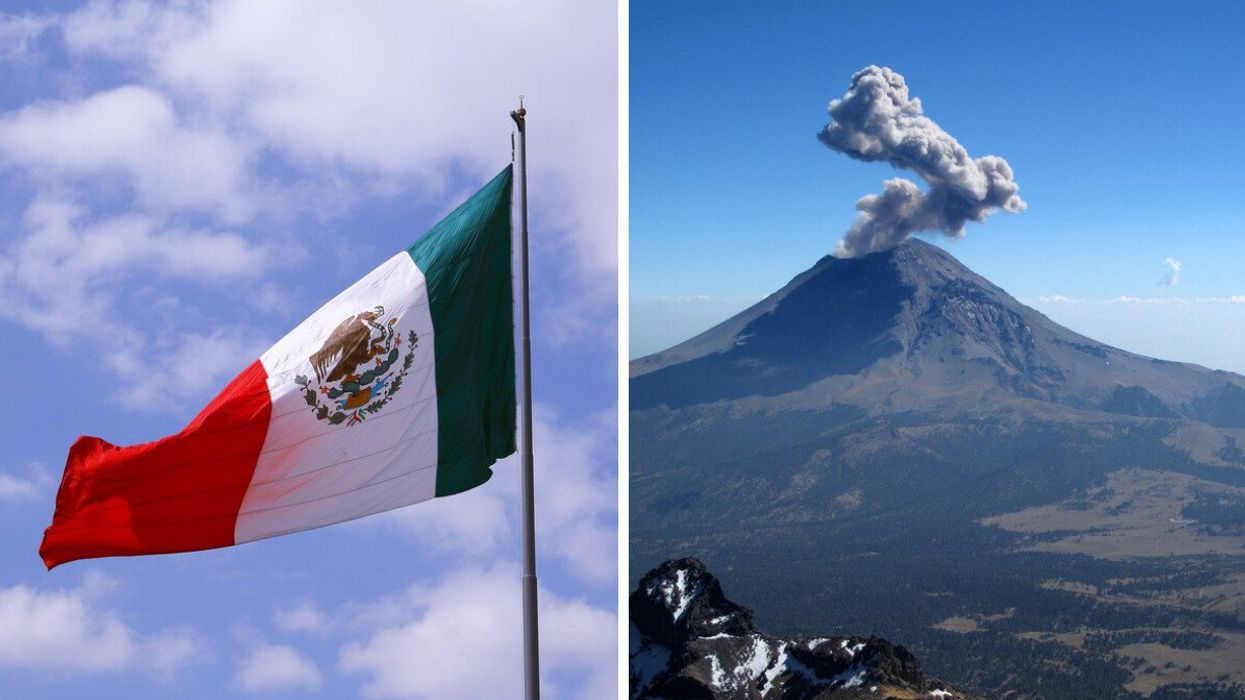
(1209, 331)
(59, 630)
(576, 500)
(167, 652)
(18, 31)
(1056, 299)
(476, 523)
(70, 280)
(471, 619)
(1233, 299)
(306, 617)
(1172, 277)
(65, 631)
(132, 131)
(576, 503)
(124, 29)
(269, 667)
(1126, 299)
(1145, 301)
(189, 364)
(331, 86)
(13, 488)
(66, 273)
(237, 110)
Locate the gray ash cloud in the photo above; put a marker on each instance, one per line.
(876, 120)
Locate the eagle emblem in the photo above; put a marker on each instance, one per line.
(356, 369)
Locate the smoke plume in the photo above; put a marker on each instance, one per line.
(875, 120)
(1172, 276)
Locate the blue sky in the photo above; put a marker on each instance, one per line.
(179, 186)
(1120, 121)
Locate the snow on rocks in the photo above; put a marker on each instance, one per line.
(689, 640)
(851, 649)
(675, 593)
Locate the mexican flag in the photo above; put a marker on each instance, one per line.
(398, 390)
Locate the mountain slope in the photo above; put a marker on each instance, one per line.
(898, 430)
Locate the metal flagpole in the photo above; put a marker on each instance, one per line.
(531, 638)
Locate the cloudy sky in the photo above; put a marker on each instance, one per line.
(180, 184)
(1119, 119)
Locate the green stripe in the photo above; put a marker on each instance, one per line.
(466, 261)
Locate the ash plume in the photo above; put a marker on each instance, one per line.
(876, 120)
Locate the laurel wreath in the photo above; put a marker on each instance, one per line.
(337, 416)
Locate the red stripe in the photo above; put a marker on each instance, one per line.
(177, 494)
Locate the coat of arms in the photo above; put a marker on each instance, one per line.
(355, 368)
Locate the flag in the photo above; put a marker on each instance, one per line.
(398, 390)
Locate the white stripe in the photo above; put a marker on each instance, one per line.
(312, 473)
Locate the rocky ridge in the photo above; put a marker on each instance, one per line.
(689, 641)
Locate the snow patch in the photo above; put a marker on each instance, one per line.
(675, 594)
(779, 667)
(717, 675)
(750, 667)
(758, 661)
(940, 694)
(796, 666)
(853, 650)
(852, 677)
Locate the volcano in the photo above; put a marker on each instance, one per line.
(895, 444)
(915, 323)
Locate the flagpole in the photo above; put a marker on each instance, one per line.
(531, 638)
